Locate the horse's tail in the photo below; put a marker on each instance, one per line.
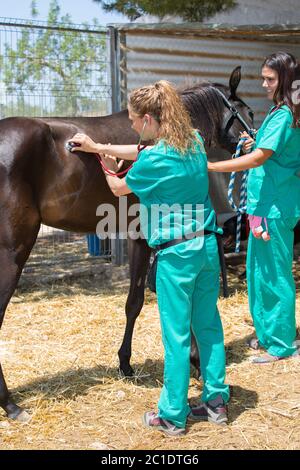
(19, 210)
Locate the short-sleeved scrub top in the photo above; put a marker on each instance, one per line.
(274, 187)
(173, 192)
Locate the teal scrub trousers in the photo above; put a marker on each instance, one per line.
(187, 287)
(271, 287)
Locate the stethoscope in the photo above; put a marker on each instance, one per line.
(70, 145)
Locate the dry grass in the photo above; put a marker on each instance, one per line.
(59, 346)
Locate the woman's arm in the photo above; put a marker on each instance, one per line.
(251, 160)
(125, 152)
(117, 185)
(86, 144)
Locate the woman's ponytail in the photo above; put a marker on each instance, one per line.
(162, 101)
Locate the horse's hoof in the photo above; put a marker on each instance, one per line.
(126, 373)
(20, 415)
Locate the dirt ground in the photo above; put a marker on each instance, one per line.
(58, 347)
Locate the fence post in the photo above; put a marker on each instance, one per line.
(114, 68)
(117, 245)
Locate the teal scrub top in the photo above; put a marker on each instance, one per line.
(173, 192)
(274, 187)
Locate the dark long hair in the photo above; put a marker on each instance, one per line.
(288, 71)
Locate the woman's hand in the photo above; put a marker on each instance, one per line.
(210, 166)
(248, 144)
(111, 162)
(84, 144)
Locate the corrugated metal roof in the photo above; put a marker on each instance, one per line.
(266, 32)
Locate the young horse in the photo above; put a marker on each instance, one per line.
(42, 182)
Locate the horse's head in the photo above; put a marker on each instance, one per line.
(237, 115)
(217, 112)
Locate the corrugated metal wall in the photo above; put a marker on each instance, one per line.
(185, 54)
(151, 56)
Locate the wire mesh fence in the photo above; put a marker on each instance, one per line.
(55, 70)
(47, 71)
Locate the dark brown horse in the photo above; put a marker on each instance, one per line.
(42, 182)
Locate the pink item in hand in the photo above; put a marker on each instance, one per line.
(265, 236)
(257, 231)
(255, 223)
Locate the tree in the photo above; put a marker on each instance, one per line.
(67, 66)
(188, 10)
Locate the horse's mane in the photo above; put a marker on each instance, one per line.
(205, 107)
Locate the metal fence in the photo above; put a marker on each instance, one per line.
(55, 71)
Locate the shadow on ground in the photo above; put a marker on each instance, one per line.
(71, 383)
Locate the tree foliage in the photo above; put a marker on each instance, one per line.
(66, 66)
(188, 10)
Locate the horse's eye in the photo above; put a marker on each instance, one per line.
(251, 115)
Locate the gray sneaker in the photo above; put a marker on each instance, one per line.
(153, 421)
(206, 412)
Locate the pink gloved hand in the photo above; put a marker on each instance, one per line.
(257, 231)
(265, 236)
(255, 223)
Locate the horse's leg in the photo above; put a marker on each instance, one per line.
(194, 355)
(19, 226)
(139, 255)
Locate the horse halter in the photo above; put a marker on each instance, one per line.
(235, 115)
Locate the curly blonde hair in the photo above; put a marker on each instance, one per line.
(164, 104)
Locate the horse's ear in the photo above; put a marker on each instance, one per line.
(234, 81)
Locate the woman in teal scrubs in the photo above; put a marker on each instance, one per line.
(274, 204)
(171, 182)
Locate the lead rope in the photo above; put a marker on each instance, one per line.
(242, 207)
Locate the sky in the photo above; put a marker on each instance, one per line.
(80, 11)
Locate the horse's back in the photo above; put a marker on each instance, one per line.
(20, 138)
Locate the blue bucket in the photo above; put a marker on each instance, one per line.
(93, 243)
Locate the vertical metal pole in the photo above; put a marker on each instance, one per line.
(114, 69)
(123, 69)
(117, 245)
